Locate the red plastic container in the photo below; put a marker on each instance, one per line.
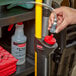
(7, 63)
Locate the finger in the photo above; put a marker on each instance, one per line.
(61, 26)
(59, 20)
(52, 17)
(51, 20)
(49, 25)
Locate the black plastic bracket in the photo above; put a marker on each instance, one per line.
(44, 52)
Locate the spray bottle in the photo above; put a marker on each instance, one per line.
(18, 45)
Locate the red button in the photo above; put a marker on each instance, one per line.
(50, 39)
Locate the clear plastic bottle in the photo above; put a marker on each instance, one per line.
(19, 44)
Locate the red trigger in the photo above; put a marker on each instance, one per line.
(10, 27)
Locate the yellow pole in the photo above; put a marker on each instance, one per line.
(38, 27)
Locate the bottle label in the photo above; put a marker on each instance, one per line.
(18, 50)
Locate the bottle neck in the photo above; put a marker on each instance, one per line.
(19, 30)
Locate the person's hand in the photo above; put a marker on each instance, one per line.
(65, 16)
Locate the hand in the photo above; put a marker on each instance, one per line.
(65, 16)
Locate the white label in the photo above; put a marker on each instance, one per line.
(18, 50)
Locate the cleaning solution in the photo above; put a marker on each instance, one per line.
(19, 44)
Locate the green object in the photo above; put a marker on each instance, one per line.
(28, 6)
(14, 2)
(5, 2)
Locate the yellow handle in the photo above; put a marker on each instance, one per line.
(38, 27)
(38, 20)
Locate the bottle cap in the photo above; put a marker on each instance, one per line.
(20, 23)
(50, 39)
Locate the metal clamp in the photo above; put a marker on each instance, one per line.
(53, 28)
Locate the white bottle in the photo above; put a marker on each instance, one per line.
(19, 44)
